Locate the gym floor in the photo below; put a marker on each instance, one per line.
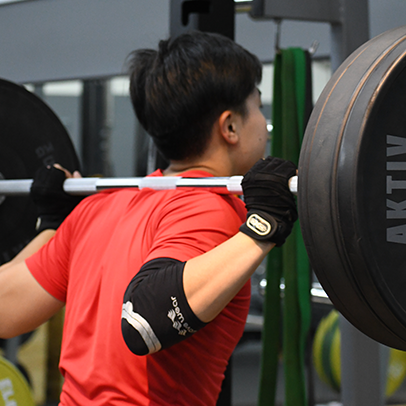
(245, 374)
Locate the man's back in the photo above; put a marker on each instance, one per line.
(101, 246)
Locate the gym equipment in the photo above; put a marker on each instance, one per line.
(31, 135)
(326, 356)
(14, 388)
(22, 339)
(352, 191)
(287, 322)
(88, 186)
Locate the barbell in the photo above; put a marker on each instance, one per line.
(351, 192)
(91, 185)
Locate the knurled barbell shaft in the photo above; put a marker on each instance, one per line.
(87, 186)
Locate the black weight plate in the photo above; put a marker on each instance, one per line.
(342, 192)
(31, 135)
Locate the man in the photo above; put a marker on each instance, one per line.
(181, 259)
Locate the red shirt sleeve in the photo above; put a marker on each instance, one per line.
(50, 265)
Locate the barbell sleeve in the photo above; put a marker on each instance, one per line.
(88, 186)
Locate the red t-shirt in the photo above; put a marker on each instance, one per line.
(89, 263)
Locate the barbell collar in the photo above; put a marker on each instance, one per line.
(88, 186)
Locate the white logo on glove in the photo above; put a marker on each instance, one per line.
(259, 225)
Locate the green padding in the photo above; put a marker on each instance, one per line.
(291, 108)
(272, 305)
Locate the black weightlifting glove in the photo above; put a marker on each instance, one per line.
(270, 204)
(53, 203)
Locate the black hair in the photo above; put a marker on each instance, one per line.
(179, 90)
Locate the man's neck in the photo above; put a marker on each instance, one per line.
(216, 160)
(177, 168)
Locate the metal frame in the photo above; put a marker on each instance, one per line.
(349, 20)
(363, 361)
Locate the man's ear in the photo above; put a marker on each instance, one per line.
(228, 126)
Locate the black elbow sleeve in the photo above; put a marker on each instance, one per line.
(155, 313)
